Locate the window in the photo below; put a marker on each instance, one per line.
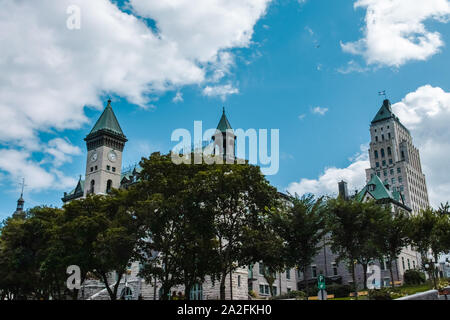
(261, 269)
(402, 189)
(378, 164)
(389, 151)
(403, 263)
(399, 170)
(264, 289)
(382, 265)
(389, 135)
(196, 292)
(92, 169)
(376, 154)
(376, 138)
(378, 173)
(391, 171)
(113, 169)
(108, 168)
(390, 161)
(126, 294)
(108, 186)
(384, 163)
(239, 281)
(289, 290)
(288, 274)
(335, 269)
(274, 289)
(96, 168)
(314, 271)
(385, 173)
(400, 179)
(393, 180)
(250, 271)
(91, 190)
(382, 137)
(409, 264)
(414, 264)
(382, 153)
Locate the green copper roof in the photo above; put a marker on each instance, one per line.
(224, 125)
(376, 188)
(107, 122)
(385, 112)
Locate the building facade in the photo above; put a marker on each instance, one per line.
(395, 178)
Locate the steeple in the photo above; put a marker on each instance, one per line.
(224, 124)
(107, 123)
(108, 127)
(225, 139)
(20, 202)
(385, 112)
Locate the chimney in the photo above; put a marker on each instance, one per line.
(343, 191)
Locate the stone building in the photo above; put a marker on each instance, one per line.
(395, 178)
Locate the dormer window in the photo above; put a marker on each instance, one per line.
(371, 187)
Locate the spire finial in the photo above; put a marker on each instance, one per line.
(109, 102)
(223, 110)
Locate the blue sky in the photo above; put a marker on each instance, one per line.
(294, 63)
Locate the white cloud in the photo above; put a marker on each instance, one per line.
(327, 182)
(178, 97)
(50, 73)
(319, 111)
(17, 165)
(395, 32)
(220, 91)
(352, 66)
(302, 116)
(61, 150)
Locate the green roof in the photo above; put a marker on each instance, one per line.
(376, 188)
(385, 112)
(107, 122)
(224, 124)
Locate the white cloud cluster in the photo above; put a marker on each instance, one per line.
(320, 111)
(426, 113)
(395, 32)
(50, 73)
(221, 91)
(327, 182)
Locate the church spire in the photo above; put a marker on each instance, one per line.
(21, 202)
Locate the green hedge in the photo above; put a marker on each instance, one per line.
(412, 277)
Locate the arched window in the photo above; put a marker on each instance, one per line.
(376, 154)
(389, 151)
(92, 186)
(126, 294)
(382, 153)
(108, 186)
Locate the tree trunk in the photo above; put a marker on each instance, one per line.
(392, 274)
(222, 286)
(306, 282)
(355, 286)
(365, 275)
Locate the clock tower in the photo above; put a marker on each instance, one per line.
(105, 145)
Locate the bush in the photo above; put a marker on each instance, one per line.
(253, 294)
(380, 294)
(299, 295)
(339, 290)
(413, 277)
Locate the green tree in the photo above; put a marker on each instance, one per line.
(344, 223)
(301, 225)
(179, 243)
(392, 236)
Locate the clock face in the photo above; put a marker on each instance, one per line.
(94, 157)
(112, 156)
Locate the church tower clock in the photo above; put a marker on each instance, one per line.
(105, 145)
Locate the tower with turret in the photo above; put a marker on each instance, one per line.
(105, 144)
